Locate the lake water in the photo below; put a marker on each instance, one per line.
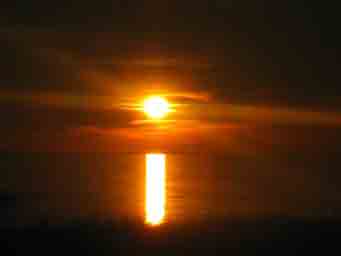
(197, 187)
(168, 204)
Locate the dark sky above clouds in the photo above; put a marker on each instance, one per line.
(67, 67)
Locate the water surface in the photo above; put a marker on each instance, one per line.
(61, 186)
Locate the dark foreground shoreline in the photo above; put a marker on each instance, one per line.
(275, 236)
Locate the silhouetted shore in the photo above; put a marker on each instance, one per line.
(275, 236)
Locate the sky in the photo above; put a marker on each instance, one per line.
(245, 77)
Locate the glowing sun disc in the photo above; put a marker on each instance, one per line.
(156, 107)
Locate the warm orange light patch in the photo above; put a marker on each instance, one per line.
(155, 188)
(156, 107)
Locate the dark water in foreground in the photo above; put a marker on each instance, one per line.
(275, 237)
(95, 204)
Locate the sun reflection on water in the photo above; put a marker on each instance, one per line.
(155, 201)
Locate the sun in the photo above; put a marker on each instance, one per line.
(156, 107)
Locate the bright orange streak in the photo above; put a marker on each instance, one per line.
(155, 188)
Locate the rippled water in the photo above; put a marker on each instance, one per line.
(197, 187)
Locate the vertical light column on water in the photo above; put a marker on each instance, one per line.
(155, 188)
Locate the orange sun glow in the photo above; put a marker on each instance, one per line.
(156, 107)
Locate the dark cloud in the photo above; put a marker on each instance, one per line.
(26, 66)
(284, 54)
(26, 117)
